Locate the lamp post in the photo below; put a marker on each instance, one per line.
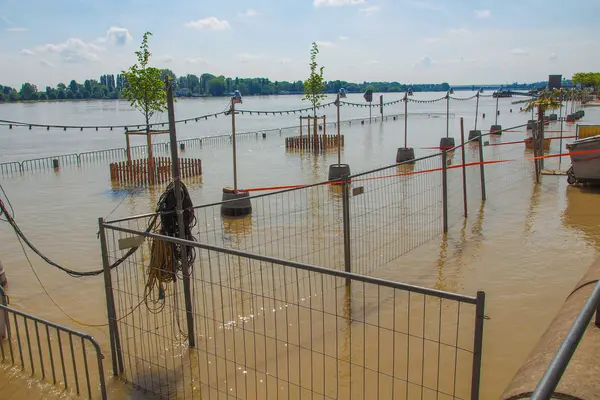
(447, 142)
(339, 170)
(235, 203)
(405, 154)
(497, 129)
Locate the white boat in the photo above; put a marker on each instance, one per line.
(585, 160)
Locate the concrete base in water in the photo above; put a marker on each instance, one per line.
(580, 380)
(405, 154)
(447, 143)
(496, 130)
(473, 135)
(238, 208)
(337, 171)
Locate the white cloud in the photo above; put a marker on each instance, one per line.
(284, 61)
(424, 62)
(483, 14)
(27, 52)
(432, 40)
(167, 59)
(74, 50)
(325, 44)
(342, 38)
(372, 62)
(553, 57)
(116, 36)
(195, 60)
(426, 5)
(336, 3)
(210, 23)
(17, 29)
(46, 63)
(250, 13)
(519, 52)
(245, 57)
(370, 10)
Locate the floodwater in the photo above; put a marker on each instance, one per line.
(526, 246)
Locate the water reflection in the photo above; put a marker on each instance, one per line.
(236, 228)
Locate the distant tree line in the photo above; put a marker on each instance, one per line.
(190, 85)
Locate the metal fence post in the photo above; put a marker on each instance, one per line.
(346, 222)
(464, 165)
(445, 188)
(477, 345)
(597, 319)
(482, 168)
(115, 343)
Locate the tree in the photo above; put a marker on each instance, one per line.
(61, 95)
(61, 86)
(74, 86)
(587, 79)
(69, 94)
(314, 86)
(27, 91)
(216, 86)
(145, 91)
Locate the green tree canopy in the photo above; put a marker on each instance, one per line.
(145, 88)
(587, 79)
(315, 84)
(27, 91)
(216, 86)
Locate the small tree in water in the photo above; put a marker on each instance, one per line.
(145, 88)
(145, 92)
(314, 86)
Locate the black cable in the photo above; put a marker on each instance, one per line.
(169, 227)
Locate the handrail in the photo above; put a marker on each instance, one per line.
(62, 356)
(546, 386)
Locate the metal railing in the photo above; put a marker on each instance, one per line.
(546, 386)
(52, 353)
(261, 327)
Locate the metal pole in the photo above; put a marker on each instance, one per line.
(370, 109)
(561, 132)
(477, 345)
(445, 188)
(115, 342)
(497, 98)
(541, 118)
(339, 139)
(477, 111)
(346, 223)
(235, 187)
(464, 166)
(381, 106)
(179, 211)
(559, 363)
(448, 114)
(482, 168)
(405, 119)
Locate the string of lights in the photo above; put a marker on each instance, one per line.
(281, 112)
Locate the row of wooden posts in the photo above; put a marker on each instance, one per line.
(323, 142)
(136, 171)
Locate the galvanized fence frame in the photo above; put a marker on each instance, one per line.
(271, 328)
(40, 354)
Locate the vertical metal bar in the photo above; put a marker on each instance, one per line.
(445, 188)
(346, 224)
(39, 344)
(100, 369)
(62, 358)
(477, 111)
(448, 114)
(381, 106)
(541, 118)
(235, 187)
(560, 118)
(74, 363)
(477, 345)
(115, 342)
(597, 319)
(51, 355)
(85, 365)
(497, 98)
(464, 166)
(29, 346)
(481, 168)
(339, 143)
(179, 209)
(19, 341)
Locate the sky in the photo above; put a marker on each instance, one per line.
(410, 41)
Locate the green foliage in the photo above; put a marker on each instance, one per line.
(315, 84)
(216, 86)
(547, 100)
(145, 88)
(28, 91)
(587, 79)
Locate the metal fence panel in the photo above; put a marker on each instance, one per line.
(269, 328)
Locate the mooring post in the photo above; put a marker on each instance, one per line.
(541, 119)
(464, 166)
(113, 329)
(445, 188)
(179, 211)
(481, 167)
(346, 223)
